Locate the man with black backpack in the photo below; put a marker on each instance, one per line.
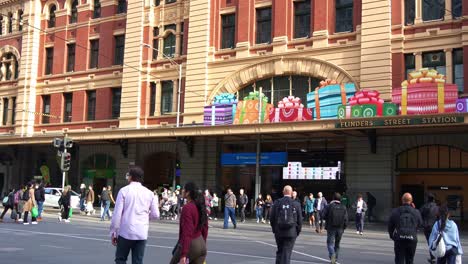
(403, 230)
(429, 213)
(336, 221)
(286, 223)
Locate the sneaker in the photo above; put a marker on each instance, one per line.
(21, 220)
(210, 218)
(34, 223)
(26, 223)
(235, 226)
(333, 259)
(360, 233)
(357, 232)
(258, 221)
(216, 219)
(60, 219)
(67, 221)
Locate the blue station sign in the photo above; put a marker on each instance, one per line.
(267, 158)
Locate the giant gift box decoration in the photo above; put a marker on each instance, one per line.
(425, 92)
(366, 103)
(249, 110)
(462, 105)
(325, 99)
(222, 111)
(290, 109)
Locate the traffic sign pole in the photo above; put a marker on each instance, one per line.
(63, 172)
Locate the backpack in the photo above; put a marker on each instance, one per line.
(429, 214)
(337, 215)
(5, 201)
(25, 196)
(17, 197)
(406, 228)
(287, 214)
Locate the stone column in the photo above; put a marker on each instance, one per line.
(418, 60)
(175, 85)
(418, 15)
(157, 101)
(178, 43)
(161, 44)
(10, 111)
(448, 10)
(449, 63)
(1, 111)
(3, 69)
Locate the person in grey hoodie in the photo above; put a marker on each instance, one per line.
(451, 237)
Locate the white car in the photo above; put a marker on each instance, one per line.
(52, 196)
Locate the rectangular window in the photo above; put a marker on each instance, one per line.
(228, 34)
(433, 9)
(71, 57)
(155, 43)
(97, 9)
(410, 65)
(410, 12)
(458, 78)
(157, 2)
(166, 97)
(49, 60)
(344, 16)
(67, 107)
(152, 106)
(94, 54)
(116, 96)
(435, 60)
(91, 95)
(45, 109)
(5, 111)
(13, 111)
(122, 7)
(181, 51)
(119, 50)
(456, 8)
(302, 19)
(170, 1)
(263, 25)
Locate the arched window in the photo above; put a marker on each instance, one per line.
(20, 20)
(51, 22)
(74, 12)
(10, 22)
(9, 67)
(169, 45)
(277, 87)
(1, 25)
(122, 7)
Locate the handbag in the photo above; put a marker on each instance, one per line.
(438, 246)
(70, 212)
(458, 260)
(34, 212)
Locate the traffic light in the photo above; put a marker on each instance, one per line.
(65, 162)
(68, 142)
(177, 164)
(57, 142)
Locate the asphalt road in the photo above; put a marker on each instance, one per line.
(86, 240)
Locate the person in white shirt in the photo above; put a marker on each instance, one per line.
(319, 205)
(361, 207)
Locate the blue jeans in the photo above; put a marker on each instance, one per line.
(40, 208)
(106, 205)
(359, 222)
(449, 258)
(123, 249)
(259, 212)
(229, 212)
(333, 241)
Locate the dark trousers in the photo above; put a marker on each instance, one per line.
(123, 249)
(5, 210)
(427, 234)
(404, 251)
(215, 212)
(333, 241)
(285, 248)
(318, 220)
(359, 222)
(196, 254)
(242, 213)
(449, 258)
(370, 213)
(65, 211)
(229, 212)
(267, 213)
(25, 219)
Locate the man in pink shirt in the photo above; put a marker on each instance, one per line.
(134, 207)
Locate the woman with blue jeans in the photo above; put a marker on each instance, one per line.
(259, 208)
(450, 234)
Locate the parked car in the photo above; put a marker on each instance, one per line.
(52, 196)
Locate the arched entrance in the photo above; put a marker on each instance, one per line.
(99, 170)
(159, 170)
(437, 169)
(281, 66)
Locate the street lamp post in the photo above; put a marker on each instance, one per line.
(180, 78)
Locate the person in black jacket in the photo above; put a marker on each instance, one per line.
(286, 233)
(429, 212)
(336, 221)
(9, 205)
(39, 195)
(242, 201)
(403, 230)
(65, 202)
